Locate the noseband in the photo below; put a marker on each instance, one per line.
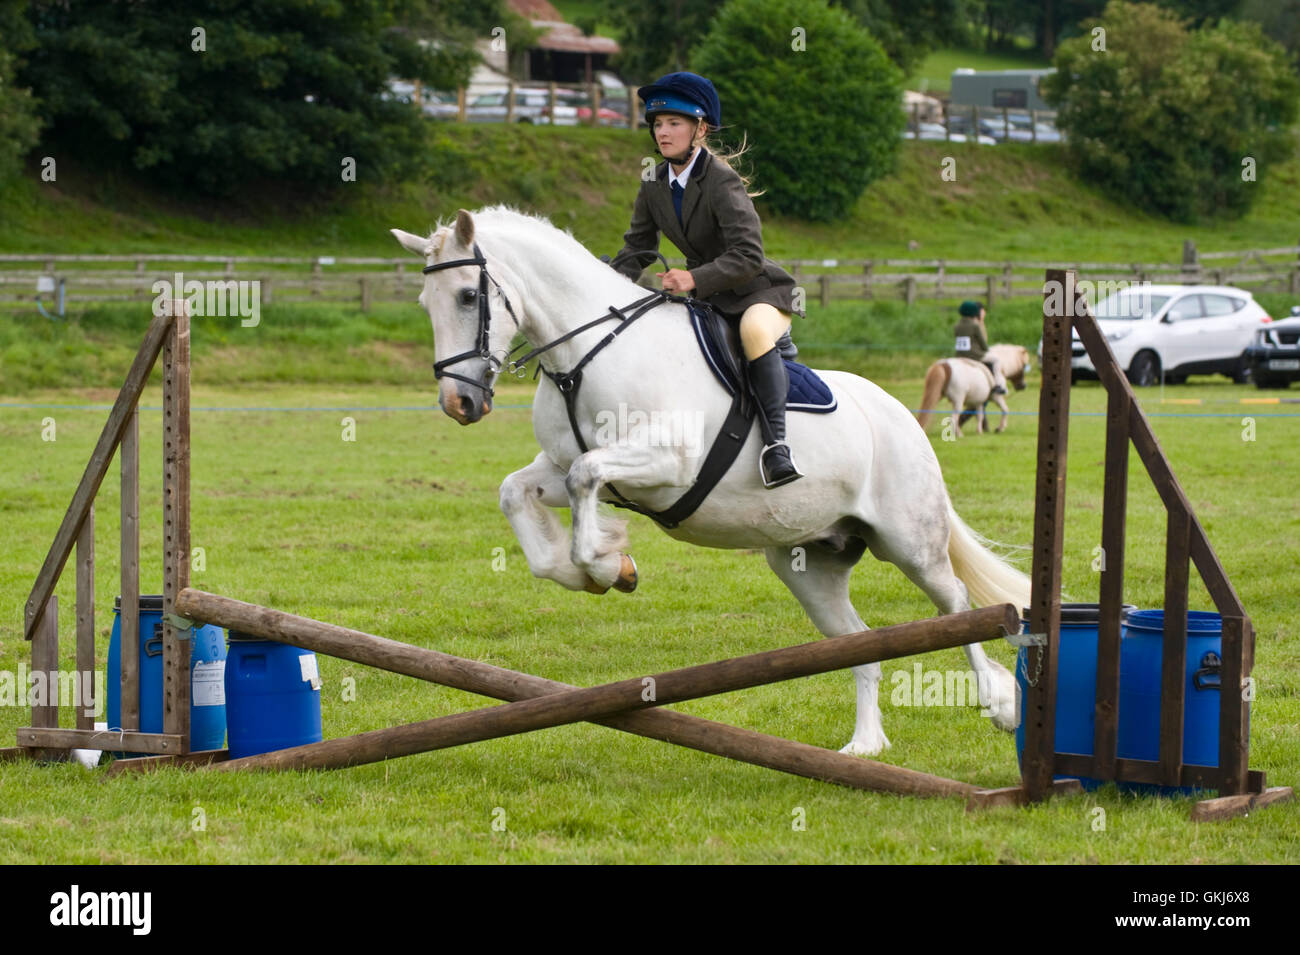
(484, 321)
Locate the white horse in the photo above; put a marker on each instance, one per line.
(872, 480)
(968, 385)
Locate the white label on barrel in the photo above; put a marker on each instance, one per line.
(307, 663)
(208, 686)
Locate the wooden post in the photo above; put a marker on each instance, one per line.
(667, 725)
(266, 290)
(1237, 646)
(315, 277)
(1006, 279)
(551, 98)
(866, 279)
(510, 103)
(1191, 264)
(84, 680)
(990, 286)
(129, 611)
(909, 290)
(460, 104)
(1173, 658)
(1113, 520)
(45, 666)
(595, 103)
(365, 294)
(176, 522)
(1049, 523)
(633, 110)
(824, 281)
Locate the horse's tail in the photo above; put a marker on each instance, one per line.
(936, 380)
(989, 579)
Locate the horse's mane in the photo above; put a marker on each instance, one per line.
(538, 228)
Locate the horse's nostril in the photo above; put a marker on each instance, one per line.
(466, 406)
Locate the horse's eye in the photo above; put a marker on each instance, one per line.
(468, 295)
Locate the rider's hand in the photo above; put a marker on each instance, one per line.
(677, 280)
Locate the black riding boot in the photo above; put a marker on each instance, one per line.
(768, 376)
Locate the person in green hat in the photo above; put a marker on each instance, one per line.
(972, 341)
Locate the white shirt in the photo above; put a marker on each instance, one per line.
(686, 173)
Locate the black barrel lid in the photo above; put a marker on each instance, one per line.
(237, 636)
(1085, 614)
(150, 602)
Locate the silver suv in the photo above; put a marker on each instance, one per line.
(1167, 332)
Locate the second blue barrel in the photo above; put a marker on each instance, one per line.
(272, 696)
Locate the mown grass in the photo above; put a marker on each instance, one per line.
(396, 534)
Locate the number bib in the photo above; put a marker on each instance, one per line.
(963, 343)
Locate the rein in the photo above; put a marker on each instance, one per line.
(568, 383)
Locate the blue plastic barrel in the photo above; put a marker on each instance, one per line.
(1141, 645)
(1139, 687)
(1076, 682)
(207, 676)
(272, 696)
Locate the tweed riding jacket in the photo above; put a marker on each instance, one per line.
(721, 238)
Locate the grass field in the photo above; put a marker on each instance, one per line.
(396, 534)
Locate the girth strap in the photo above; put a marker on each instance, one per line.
(722, 453)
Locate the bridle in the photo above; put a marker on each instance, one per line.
(565, 383)
(482, 349)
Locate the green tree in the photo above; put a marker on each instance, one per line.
(215, 96)
(1279, 19)
(1181, 122)
(814, 96)
(909, 29)
(656, 36)
(19, 125)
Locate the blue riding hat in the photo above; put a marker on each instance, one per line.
(685, 93)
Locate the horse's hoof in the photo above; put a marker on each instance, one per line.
(866, 748)
(594, 588)
(626, 581)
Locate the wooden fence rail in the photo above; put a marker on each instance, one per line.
(352, 279)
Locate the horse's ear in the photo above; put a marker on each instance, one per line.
(416, 244)
(464, 229)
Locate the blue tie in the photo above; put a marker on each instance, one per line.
(677, 200)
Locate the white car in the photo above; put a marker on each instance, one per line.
(1167, 332)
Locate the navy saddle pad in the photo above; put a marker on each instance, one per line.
(807, 391)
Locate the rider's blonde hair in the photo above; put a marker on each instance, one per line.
(727, 157)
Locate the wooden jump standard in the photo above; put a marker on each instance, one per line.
(1240, 789)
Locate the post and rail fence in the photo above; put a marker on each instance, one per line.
(364, 280)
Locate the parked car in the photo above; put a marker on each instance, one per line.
(1019, 128)
(934, 132)
(531, 106)
(609, 114)
(1167, 332)
(1274, 355)
(439, 104)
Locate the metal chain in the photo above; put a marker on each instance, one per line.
(1038, 671)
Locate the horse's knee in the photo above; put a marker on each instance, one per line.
(513, 496)
(582, 479)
